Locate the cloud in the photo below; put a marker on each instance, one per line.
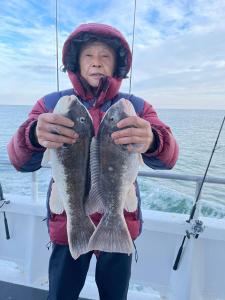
(178, 54)
(187, 66)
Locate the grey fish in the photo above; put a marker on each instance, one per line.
(113, 172)
(70, 172)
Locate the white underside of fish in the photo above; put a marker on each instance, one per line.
(55, 201)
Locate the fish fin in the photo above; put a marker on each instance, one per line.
(79, 239)
(131, 199)
(46, 158)
(55, 202)
(112, 235)
(94, 160)
(94, 201)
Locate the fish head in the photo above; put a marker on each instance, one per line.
(72, 108)
(117, 112)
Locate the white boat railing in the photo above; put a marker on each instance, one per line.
(151, 174)
(184, 177)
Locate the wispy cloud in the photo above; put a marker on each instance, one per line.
(178, 55)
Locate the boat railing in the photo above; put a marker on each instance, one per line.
(171, 175)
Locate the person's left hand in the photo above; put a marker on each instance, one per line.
(139, 137)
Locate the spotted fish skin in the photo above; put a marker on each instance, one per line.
(70, 165)
(113, 172)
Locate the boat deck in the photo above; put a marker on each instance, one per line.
(10, 291)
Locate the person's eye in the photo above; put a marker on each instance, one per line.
(87, 54)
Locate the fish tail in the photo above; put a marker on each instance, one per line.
(112, 235)
(79, 234)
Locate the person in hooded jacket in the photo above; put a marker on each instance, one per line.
(96, 58)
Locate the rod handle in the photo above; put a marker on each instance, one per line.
(6, 227)
(177, 260)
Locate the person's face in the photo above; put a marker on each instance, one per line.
(96, 60)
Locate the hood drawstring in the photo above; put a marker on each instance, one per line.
(136, 252)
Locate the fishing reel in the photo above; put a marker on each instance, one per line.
(196, 227)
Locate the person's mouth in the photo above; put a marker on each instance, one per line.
(97, 75)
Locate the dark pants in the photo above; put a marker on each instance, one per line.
(67, 276)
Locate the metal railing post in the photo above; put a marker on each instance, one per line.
(34, 187)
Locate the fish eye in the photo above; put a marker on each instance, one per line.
(66, 146)
(82, 119)
(112, 118)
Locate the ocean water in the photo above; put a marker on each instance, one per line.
(195, 131)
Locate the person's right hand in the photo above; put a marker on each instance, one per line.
(53, 130)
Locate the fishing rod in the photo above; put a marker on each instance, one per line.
(197, 227)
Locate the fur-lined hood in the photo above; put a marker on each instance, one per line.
(97, 32)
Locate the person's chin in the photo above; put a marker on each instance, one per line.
(93, 83)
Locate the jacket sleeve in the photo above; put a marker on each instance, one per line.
(165, 153)
(24, 155)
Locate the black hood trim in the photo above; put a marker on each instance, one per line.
(71, 57)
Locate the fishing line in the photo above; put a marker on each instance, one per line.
(57, 44)
(132, 46)
(198, 225)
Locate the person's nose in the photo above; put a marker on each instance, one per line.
(96, 62)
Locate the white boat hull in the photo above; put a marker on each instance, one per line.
(200, 275)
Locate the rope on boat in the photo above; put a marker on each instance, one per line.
(57, 44)
(132, 47)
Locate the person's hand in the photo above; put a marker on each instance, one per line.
(139, 137)
(53, 130)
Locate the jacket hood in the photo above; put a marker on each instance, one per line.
(97, 32)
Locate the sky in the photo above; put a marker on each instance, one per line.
(178, 59)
